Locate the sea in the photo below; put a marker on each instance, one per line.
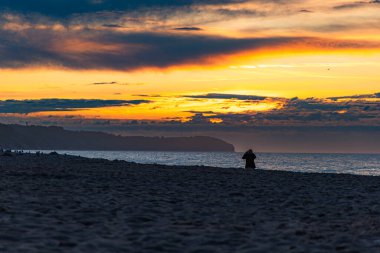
(362, 164)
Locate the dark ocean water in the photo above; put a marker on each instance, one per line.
(364, 164)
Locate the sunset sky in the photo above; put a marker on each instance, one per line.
(185, 67)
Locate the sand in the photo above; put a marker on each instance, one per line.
(54, 203)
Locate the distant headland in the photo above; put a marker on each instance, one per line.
(57, 138)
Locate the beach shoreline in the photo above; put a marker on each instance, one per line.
(62, 203)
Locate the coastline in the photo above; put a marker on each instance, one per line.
(62, 203)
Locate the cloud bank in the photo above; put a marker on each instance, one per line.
(357, 110)
(138, 34)
(130, 51)
(64, 8)
(50, 105)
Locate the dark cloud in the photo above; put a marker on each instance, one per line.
(312, 104)
(191, 28)
(354, 5)
(364, 96)
(108, 49)
(227, 96)
(350, 5)
(239, 12)
(133, 14)
(113, 26)
(104, 83)
(112, 50)
(44, 105)
(65, 8)
(148, 96)
(115, 83)
(345, 27)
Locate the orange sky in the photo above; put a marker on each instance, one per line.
(331, 49)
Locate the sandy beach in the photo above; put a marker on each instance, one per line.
(56, 203)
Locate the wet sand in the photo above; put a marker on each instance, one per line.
(53, 203)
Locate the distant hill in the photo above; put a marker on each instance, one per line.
(57, 138)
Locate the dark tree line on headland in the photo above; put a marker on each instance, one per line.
(56, 138)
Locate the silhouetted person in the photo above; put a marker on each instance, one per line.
(249, 157)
